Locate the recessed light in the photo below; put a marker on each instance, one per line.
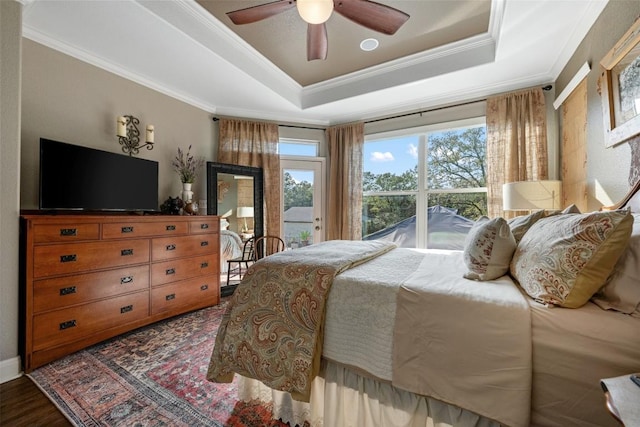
(369, 44)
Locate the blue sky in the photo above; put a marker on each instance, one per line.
(391, 155)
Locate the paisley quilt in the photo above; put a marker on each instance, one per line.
(272, 330)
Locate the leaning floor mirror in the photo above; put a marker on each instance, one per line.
(235, 194)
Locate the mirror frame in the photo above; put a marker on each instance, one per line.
(213, 169)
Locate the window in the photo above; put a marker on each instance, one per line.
(437, 171)
(292, 147)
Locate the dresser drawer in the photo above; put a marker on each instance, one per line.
(200, 292)
(178, 247)
(50, 260)
(49, 294)
(180, 269)
(206, 225)
(49, 233)
(145, 229)
(70, 324)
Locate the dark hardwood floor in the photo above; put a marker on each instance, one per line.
(23, 404)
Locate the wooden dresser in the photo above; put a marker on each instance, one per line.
(86, 278)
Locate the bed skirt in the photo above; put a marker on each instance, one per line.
(342, 397)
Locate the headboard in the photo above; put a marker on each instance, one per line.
(631, 199)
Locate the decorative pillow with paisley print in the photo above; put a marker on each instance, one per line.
(488, 249)
(565, 259)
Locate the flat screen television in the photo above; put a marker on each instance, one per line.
(82, 178)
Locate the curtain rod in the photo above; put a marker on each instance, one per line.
(545, 88)
(215, 119)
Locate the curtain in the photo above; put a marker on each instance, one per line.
(345, 145)
(247, 143)
(516, 143)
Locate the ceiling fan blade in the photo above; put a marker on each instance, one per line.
(375, 16)
(258, 13)
(317, 42)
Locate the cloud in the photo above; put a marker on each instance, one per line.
(377, 156)
(413, 151)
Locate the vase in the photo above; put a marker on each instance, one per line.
(187, 194)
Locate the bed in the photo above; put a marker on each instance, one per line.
(230, 247)
(403, 338)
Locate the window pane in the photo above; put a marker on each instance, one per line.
(298, 207)
(468, 205)
(451, 216)
(391, 164)
(298, 148)
(456, 158)
(380, 212)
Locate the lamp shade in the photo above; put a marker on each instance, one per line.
(315, 11)
(530, 195)
(245, 212)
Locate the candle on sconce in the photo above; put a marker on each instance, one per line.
(122, 126)
(150, 129)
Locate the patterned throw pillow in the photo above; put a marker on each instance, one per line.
(565, 259)
(520, 224)
(488, 249)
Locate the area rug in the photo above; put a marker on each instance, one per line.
(154, 376)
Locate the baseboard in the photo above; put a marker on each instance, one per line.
(10, 369)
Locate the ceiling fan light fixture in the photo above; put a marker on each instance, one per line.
(315, 11)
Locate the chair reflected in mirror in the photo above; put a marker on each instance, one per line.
(254, 249)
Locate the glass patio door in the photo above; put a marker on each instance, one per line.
(302, 201)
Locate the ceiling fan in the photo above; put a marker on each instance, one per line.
(375, 16)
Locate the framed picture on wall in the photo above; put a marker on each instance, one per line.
(620, 87)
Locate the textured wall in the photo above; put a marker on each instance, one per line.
(71, 101)
(10, 46)
(608, 169)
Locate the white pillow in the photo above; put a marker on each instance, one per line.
(488, 249)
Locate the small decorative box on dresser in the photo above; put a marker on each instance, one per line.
(86, 278)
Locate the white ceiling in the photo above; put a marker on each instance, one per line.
(180, 49)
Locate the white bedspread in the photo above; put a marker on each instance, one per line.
(464, 342)
(361, 310)
(477, 332)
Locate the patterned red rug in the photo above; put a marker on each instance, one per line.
(154, 376)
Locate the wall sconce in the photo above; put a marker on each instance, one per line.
(129, 135)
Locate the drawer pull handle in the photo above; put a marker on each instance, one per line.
(204, 264)
(205, 243)
(67, 291)
(126, 252)
(170, 297)
(170, 271)
(127, 229)
(204, 226)
(68, 324)
(126, 279)
(68, 258)
(171, 247)
(204, 287)
(171, 227)
(126, 309)
(68, 232)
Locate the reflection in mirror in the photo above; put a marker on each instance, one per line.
(235, 193)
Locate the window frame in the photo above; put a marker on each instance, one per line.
(422, 193)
